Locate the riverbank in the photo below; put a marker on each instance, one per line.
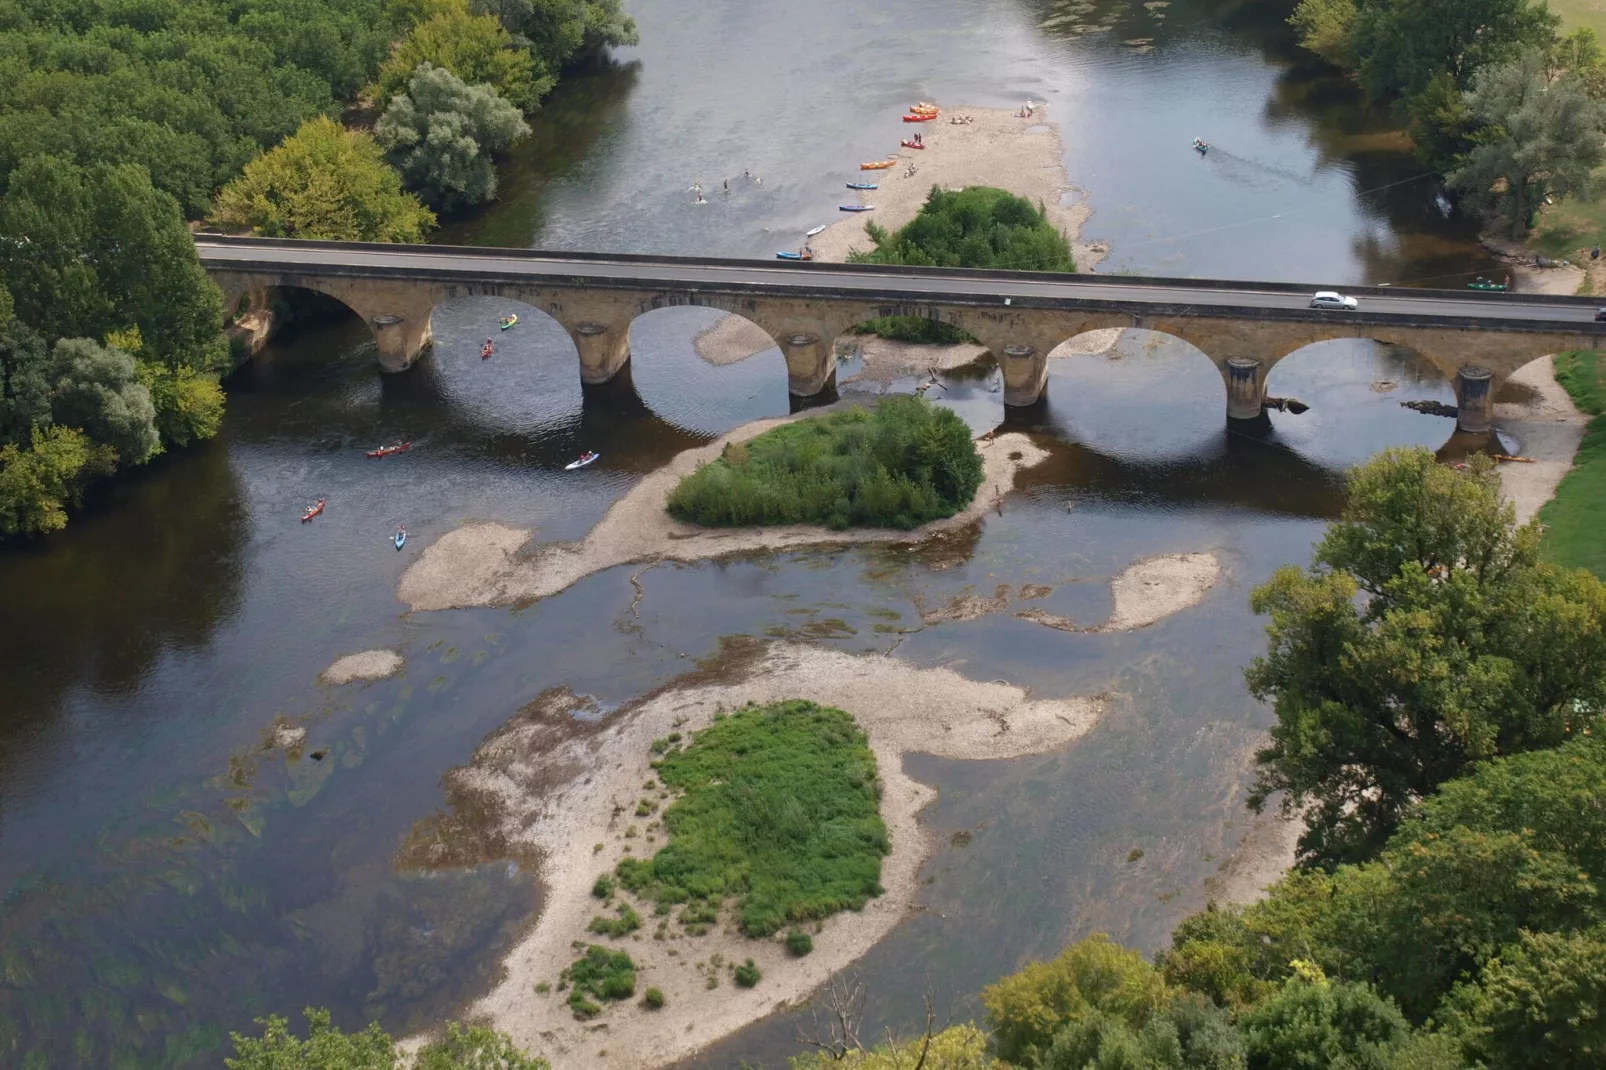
(486, 564)
(1575, 518)
(999, 148)
(563, 792)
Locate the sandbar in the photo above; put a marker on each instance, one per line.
(486, 564)
(1157, 587)
(1549, 427)
(368, 665)
(559, 792)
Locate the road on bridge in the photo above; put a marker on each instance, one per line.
(896, 284)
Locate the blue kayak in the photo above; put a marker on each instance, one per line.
(400, 538)
(863, 185)
(857, 207)
(791, 256)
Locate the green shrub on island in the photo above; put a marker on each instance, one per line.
(747, 975)
(799, 943)
(653, 999)
(601, 975)
(975, 227)
(626, 923)
(778, 809)
(916, 329)
(899, 466)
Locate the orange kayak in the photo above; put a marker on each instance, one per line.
(911, 144)
(880, 165)
(919, 118)
(314, 511)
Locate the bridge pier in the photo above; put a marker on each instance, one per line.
(1245, 388)
(1474, 400)
(810, 361)
(604, 349)
(401, 339)
(1025, 372)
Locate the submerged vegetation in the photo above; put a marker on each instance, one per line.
(899, 466)
(778, 810)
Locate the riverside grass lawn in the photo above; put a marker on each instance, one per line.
(1575, 519)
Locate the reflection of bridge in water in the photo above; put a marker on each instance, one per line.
(1476, 340)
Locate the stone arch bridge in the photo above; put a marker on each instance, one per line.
(1476, 340)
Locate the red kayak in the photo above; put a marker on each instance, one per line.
(911, 144)
(314, 511)
(386, 451)
(918, 118)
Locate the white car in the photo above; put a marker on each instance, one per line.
(1331, 299)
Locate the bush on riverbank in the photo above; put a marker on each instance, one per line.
(778, 809)
(471, 1047)
(599, 975)
(902, 465)
(1575, 519)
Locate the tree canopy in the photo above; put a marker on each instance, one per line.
(477, 49)
(328, 1048)
(977, 227)
(440, 135)
(1543, 134)
(1426, 636)
(324, 182)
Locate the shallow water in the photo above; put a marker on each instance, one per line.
(166, 877)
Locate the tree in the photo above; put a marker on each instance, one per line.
(1190, 1033)
(440, 135)
(1028, 1009)
(1313, 1022)
(976, 227)
(24, 381)
(1326, 28)
(475, 48)
(325, 182)
(96, 249)
(327, 1048)
(37, 483)
(1427, 636)
(1541, 1005)
(1402, 44)
(1442, 126)
(1545, 138)
(97, 390)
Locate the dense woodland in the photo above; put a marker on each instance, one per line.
(1496, 98)
(123, 122)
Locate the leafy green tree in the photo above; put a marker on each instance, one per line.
(977, 227)
(410, 13)
(1427, 636)
(1579, 53)
(97, 390)
(1443, 128)
(1326, 27)
(1319, 1023)
(328, 1048)
(959, 1047)
(475, 48)
(1541, 1004)
(325, 182)
(1545, 138)
(105, 249)
(440, 135)
(24, 381)
(1402, 44)
(1028, 1009)
(37, 483)
(1190, 1033)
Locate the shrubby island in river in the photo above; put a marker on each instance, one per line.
(899, 466)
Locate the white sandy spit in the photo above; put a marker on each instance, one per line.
(901, 708)
(1549, 428)
(368, 665)
(1023, 156)
(1157, 587)
(482, 564)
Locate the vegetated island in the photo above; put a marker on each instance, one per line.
(903, 464)
(742, 835)
(485, 564)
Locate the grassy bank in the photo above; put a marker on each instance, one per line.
(778, 811)
(904, 464)
(1575, 519)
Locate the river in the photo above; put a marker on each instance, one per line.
(167, 874)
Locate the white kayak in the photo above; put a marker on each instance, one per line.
(581, 463)
(816, 230)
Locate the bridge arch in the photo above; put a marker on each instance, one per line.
(397, 312)
(705, 370)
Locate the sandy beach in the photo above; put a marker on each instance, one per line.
(486, 564)
(1000, 149)
(568, 800)
(1549, 428)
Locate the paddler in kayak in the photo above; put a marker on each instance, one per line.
(487, 349)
